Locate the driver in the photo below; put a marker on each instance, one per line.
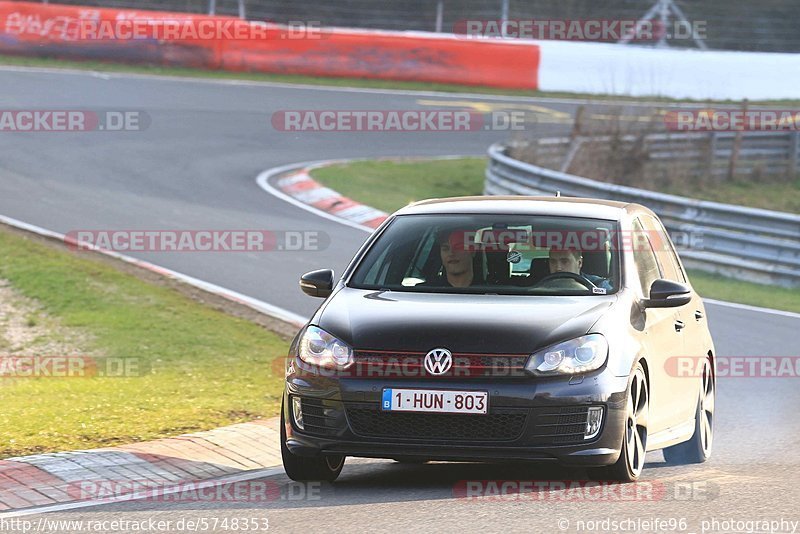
(571, 261)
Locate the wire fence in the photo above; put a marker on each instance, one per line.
(763, 26)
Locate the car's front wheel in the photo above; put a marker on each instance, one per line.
(629, 466)
(698, 449)
(303, 468)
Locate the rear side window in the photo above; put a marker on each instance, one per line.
(665, 252)
(645, 258)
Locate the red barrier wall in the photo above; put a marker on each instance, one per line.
(53, 30)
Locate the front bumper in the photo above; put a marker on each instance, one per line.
(529, 419)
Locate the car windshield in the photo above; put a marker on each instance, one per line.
(493, 254)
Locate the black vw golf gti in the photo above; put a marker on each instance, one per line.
(504, 328)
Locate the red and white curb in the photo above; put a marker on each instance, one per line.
(294, 184)
(300, 186)
(59, 481)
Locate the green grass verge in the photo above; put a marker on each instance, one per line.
(783, 196)
(388, 186)
(721, 288)
(110, 66)
(206, 368)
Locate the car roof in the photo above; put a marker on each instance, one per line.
(527, 205)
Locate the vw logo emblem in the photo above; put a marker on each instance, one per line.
(438, 361)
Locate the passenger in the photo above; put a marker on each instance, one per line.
(457, 261)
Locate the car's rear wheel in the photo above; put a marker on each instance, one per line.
(629, 466)
(698, 449)
(303, 468)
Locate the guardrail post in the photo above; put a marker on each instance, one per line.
(577, 123)
(712, 154)
(439, 15)
(242, 10)
(794, 153)
(737, 144)
(575, 139)
(212, 7)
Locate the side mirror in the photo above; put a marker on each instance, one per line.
(668, 294)
(317, 283)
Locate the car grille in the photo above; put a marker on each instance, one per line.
(498, 425)
(559, 425)
(410, 365)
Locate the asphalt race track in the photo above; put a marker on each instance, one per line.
(194, 168)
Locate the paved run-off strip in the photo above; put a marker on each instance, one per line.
(178, 463)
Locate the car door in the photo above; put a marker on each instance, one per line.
(663, 338)
(679, 376)
(691, 315)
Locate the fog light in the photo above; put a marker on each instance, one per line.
(297, 413)
(593, 422)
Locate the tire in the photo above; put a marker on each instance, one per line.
(698, 449)
(307, 469)
(629, 466)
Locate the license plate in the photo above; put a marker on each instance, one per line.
(432, 400)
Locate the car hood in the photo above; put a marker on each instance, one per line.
(490, 324)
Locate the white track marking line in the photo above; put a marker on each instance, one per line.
(258, 305)
(748, 307)
(171, 488)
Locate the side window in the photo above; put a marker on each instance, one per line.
(422, 256)
(665, 252)
(645, 258)
(377, 271)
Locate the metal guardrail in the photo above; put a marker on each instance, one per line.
(747, 243)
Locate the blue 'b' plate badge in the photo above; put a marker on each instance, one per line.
(386, 403)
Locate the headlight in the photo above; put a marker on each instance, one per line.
(579, 355)
(317, 347)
